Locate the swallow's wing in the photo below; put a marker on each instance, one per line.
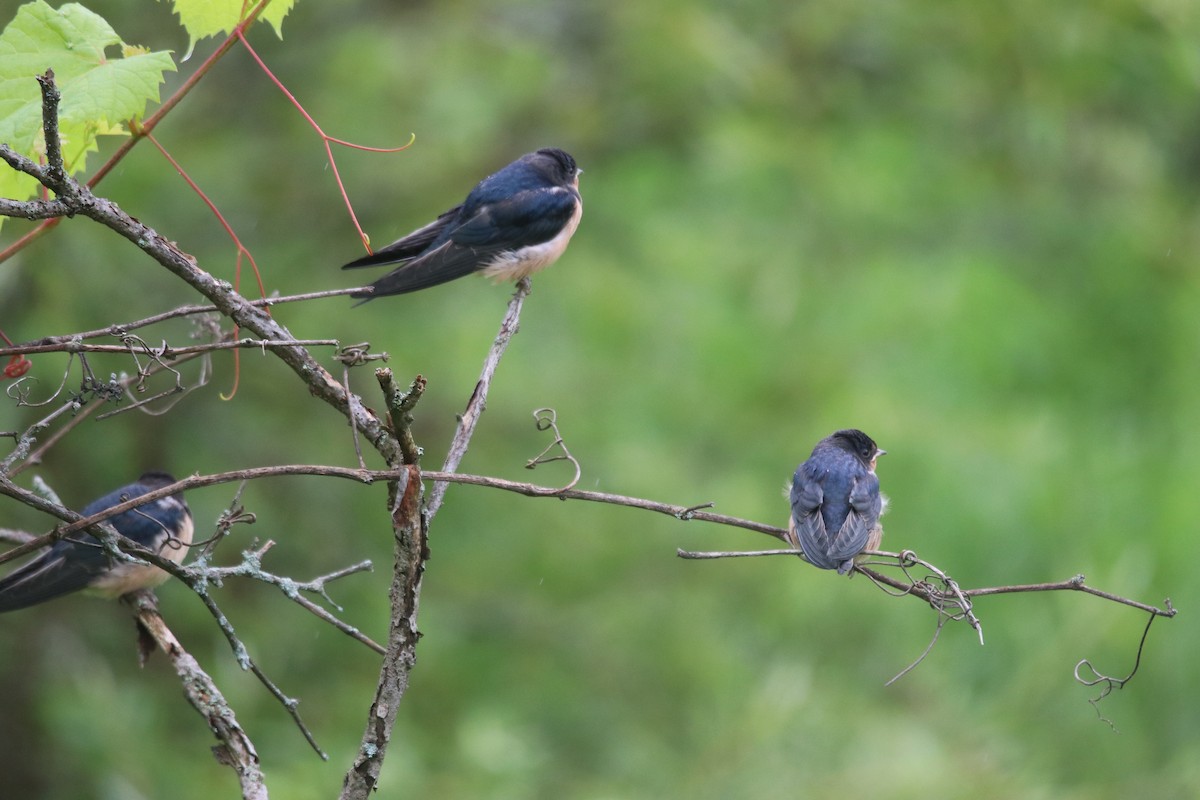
(807, 523)
(865, 507)
(66, 567)
(527, 218)
(410, 246)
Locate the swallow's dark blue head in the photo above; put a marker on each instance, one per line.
(556, 166)
(857, 443)
(79, 561)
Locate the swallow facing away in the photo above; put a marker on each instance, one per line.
(511, 225)
(79, 561)
(836, 502)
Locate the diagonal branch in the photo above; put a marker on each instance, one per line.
(478, 402)
(236, 750)
(79, 200)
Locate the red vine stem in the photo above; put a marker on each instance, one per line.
(326, 139)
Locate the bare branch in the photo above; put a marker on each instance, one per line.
(165, 351)
(478, 402)
(251, 567)
(400, 405)
(197, 581)
(707, 555)
(29, 209)
(234, 514)
(54, 176)
(411, 532)
(412, 550)
(236, 750)
(953, 603)
(683, 513)
(917, 588)
(1074, 584)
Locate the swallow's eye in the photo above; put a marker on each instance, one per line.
(866, 452)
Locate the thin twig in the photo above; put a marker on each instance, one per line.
(704, 555)
(13, 536)
(251, 567)
(242, 655)
(937, 632)
(326, 139)
(355, 355)
(478, 402)
(547, 419)
(1109, 682)
(120, 329)
(166, 351)
(234, 514)
(1073, 584)
(953, 603)
(81, 412)
(27, 437)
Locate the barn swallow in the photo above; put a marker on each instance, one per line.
(79, 562)
(836, 502)
(511, 225)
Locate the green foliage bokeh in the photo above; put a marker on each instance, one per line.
(971, 230)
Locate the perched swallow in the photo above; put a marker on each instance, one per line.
(836, 502)
(511, 225)
(79, 562)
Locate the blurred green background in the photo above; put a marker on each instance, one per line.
(970, 229)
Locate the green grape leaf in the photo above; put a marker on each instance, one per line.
(100, 92)
(203, 18)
